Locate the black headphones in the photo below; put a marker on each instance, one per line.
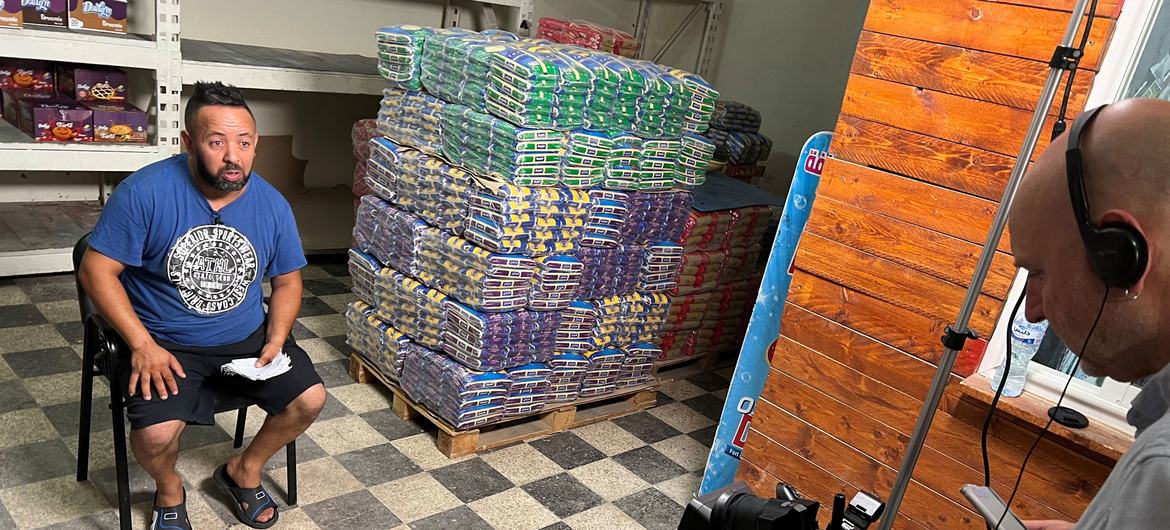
(1116, 250)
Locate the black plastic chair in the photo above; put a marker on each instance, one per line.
(102, 354)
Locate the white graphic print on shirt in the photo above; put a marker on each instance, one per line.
(212, 267)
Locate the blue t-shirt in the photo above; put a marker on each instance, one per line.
(192, 281)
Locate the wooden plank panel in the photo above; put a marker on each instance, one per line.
(901, 328)
(994, 27)
(940, 484)
(970, 122)
(945, 163)
(899, 411)
(935, 253)
(876, 360)
(1105, 8)
(939, 209)
(919, 504)
(891, 282)
(887, 445)
(992, 77)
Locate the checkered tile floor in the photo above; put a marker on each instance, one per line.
(360, 466)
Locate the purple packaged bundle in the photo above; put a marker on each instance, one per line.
(521, 410)
(568, 361)
(597, 390)
(529, 371)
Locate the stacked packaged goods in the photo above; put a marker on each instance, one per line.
(410, 306)
(717, 281)
(494, 341)
(734, 129)
(529, 391)
(523, 220)
(608, 211)
(556, 283)
(586, 155)
(568, 370)
(391, 235)
(491, 146)
(400, 54)
(374, 339)
(363, 268)
(483, 280)
(411, 117)
(464, 398)
(601, 377)
(638, 366)
(587, 34)
(362, 133)
(660, 267)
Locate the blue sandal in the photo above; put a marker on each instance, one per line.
(257, 499)
(172, 517)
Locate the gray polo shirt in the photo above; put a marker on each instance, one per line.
(1137, 492)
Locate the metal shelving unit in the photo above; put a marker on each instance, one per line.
(261, 68)
(157, 53)
(710, 39)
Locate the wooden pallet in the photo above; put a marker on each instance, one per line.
(683, 367)
(559, 417)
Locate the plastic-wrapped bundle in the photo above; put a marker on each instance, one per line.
(700, 271)
(694, 157)
(656, 216)
(602, 375)
(382, 169)
(522, 87)
(455, 65)
(735, 116)
(557, 280)
(462, 397)
(573, 87)
(587, 152)
(410, 306)
(360, 135)
(615, 320)
(400, 50)
(638, 366)
(522, 220)
(529, 391)
(568, 370)
(363, 268)
(433, 189)
(663, 103)
(375, 340)
(631, 85)
(484, 280)
(608, 271)
(607, 216)
(389, 234)
(706, 230)
(677, 344)
(599, 105)
(660, 266)
(412, 118)
(701, 102)
(623, 168)
(739, 147)
(491, 341)
(687, 311)
(492, 146)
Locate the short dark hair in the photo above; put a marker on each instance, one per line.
(217, 93)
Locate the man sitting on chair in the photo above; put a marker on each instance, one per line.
(175, 265)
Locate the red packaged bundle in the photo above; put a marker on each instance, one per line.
(362, 132)
(360, 187)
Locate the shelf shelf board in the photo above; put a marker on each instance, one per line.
(261, 68)
(38, 237)
(18, 152)
(126, 51)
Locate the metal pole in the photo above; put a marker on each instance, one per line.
(642, 26)
(942, 374)
(679, 31)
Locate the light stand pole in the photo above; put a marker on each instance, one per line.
(1065, 57)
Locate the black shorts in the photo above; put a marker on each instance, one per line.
(195, 402)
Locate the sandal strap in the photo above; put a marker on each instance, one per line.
(257, 498)
(172, 517)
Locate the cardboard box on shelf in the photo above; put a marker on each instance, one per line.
(26, 74)
(99, 15)
(119, 123)
(92, 83)
(54, 13)
(56, 120)
(11, 15)
(10, 102)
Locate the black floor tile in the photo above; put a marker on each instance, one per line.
(705, 435)
(708, 405)
(313, 306)
(334, 373)
(462, 518)
(378, 464)
(66, 416)
(652, 509)
(709, 381)
(35, 462)
(568, 450)
(339, 344)
(50, 291)
(43, 362)
(325, 286)
(390, 425)
(358, 511)
(13, 396)
(649, 464)
(646, 427)
(12, 316)
(471, 480)
(300, 332)
(74, 332)
(563, 495)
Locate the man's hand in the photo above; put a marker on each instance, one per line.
(153, 366)
(268, 353)
(1049, 525)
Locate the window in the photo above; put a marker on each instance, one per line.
(1137, 64)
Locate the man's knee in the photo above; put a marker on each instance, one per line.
(309, 404)
(156, 439)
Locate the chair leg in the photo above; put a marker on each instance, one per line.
(241, 419)
(86, 407)
(291, 450)
(121, 462)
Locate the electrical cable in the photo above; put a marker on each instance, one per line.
(1007, 366)
(1080, 355)
(1061, 124)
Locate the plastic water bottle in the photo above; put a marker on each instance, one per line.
(1026, 338)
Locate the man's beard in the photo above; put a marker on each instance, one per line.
(217, 181)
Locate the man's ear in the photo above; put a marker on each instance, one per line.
(186, 136)
(1124, 216)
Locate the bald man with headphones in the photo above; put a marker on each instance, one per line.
(1089, 223)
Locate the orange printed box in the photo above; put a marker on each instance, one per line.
(98, 15)
(11, 16)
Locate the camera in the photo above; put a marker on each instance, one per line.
(736, 508)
